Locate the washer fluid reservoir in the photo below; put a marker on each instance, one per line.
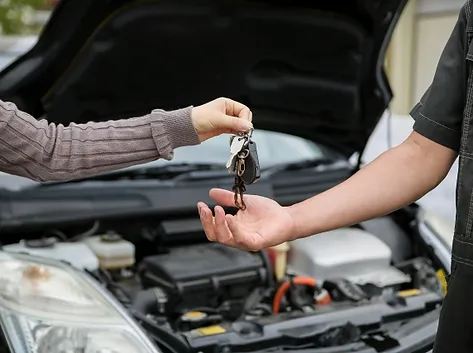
(77, 254)
(112, 250)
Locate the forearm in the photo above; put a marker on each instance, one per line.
(397, 178)
(43, 151)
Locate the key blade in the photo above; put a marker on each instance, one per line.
(235, 164)
(237, 145)
(231, 161)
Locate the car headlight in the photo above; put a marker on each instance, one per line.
(49, 307)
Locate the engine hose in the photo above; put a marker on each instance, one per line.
(145, 302)
(267, 263)
(173, 343)
(282, 290)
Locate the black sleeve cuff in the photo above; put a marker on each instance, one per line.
(435, 131)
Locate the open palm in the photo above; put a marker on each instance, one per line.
(262, 224)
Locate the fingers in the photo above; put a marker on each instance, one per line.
(240, 237)
(224, 235)
(234, 124)
(207, 221)
(216, 228)
(237, 109)
(222, 197)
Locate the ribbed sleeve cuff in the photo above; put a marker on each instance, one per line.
(172, 129)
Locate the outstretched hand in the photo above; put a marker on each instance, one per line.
(262, 224)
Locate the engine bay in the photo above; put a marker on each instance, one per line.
(339, 288)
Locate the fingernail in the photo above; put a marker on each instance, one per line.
(198, 210)
(247, 125)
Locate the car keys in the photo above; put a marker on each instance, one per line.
(252, 170)
(236, 145)
(244, 163)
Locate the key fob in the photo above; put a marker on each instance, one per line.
(252, 168)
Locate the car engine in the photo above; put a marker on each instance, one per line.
(207, 297)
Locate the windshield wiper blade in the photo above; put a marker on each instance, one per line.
(300, 165)
(171, 170)
(161, 172)
(307, 163)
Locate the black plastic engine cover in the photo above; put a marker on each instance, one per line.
(204, 274)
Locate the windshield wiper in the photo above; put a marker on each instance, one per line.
(167, 171)
(303, 164)
(162, 172)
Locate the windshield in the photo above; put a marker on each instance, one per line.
(6, 59)
(273, 148)
(12, 47)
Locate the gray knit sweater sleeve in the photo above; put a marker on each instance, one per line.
(44, 151)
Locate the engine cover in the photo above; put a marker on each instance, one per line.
(349, 253)
(203, 274)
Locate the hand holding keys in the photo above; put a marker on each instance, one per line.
(244, 163)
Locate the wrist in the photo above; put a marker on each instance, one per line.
(172, 129)
(295, 231)
(180, 128)
(302, 226)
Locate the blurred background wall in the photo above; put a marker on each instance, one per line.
(415, 48)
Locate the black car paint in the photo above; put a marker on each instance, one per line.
(47, 205)
(307, 68)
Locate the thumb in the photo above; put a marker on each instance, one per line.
(234, 124)
(222, 197)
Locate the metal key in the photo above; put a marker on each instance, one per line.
(239, 186)
(231, 164)
(238, 189)
(237, 165)
(236, 145)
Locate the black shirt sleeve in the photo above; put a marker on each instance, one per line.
(439, 114)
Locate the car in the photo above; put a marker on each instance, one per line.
(119, 262)
(11, 47)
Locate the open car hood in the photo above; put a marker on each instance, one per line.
(307, 68)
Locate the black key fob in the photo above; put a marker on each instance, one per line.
(252, 168)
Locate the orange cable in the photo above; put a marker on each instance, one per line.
(309, 281)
